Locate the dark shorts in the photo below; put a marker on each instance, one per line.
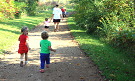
(56, 20)
(46, 26)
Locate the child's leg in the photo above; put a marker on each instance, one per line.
(26, 58)
(21, 57)
(42, 59)
(48, 60)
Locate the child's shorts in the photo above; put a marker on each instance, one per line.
(46, 26)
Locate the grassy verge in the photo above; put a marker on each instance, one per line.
(114, 65)
(10, 30)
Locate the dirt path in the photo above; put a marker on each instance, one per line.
(69, 63)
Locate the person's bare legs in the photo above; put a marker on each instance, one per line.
(54, 26)
(57, 26)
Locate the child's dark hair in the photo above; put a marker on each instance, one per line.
(46, 19)
(44, 35)
(23, 28)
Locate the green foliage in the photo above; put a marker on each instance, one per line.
(10, 9)
(104, 17)
(88, 15)
(114, 65)
(31, 7)
(44, 6)
(6, 9)
(19, 9)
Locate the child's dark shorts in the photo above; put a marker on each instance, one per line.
(46, 26)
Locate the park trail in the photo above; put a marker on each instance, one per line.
(68, 63)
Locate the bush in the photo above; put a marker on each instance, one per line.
(125, 39)
(31, 7)
(6, 9)
(106, 17)
(19, 9)
(44, 6)
(88, 15)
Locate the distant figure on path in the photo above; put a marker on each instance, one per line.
(45, 51)
(46, 24)
(24, 46)
(63, 11)
(57, 15)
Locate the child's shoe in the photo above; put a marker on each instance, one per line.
(21, 64)
(26, 63)
(47, 66)
(42, 71)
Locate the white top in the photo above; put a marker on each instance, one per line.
(57, 12)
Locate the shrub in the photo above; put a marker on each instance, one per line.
(105, 18)
(44, 6)
(7, 9)
(125, 38)
(88, 15)
(19, 9)
(31, 7)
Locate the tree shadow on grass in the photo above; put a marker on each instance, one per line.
(16, 32)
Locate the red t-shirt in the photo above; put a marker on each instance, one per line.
(23, 46)
(63, 10)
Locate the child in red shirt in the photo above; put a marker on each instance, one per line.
(23, 46)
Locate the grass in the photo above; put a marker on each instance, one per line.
(113, 64)
(10, 29)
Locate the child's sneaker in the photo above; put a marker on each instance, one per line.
(21, 64)
(26, 63)
(42, 71)
(47, 66)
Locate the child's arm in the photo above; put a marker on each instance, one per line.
(27, 43)
(51, 49)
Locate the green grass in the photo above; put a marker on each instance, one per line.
(10, 29)
(114, 65)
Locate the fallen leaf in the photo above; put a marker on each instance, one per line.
(81, 78)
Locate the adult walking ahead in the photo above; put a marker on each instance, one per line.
(57, 15)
